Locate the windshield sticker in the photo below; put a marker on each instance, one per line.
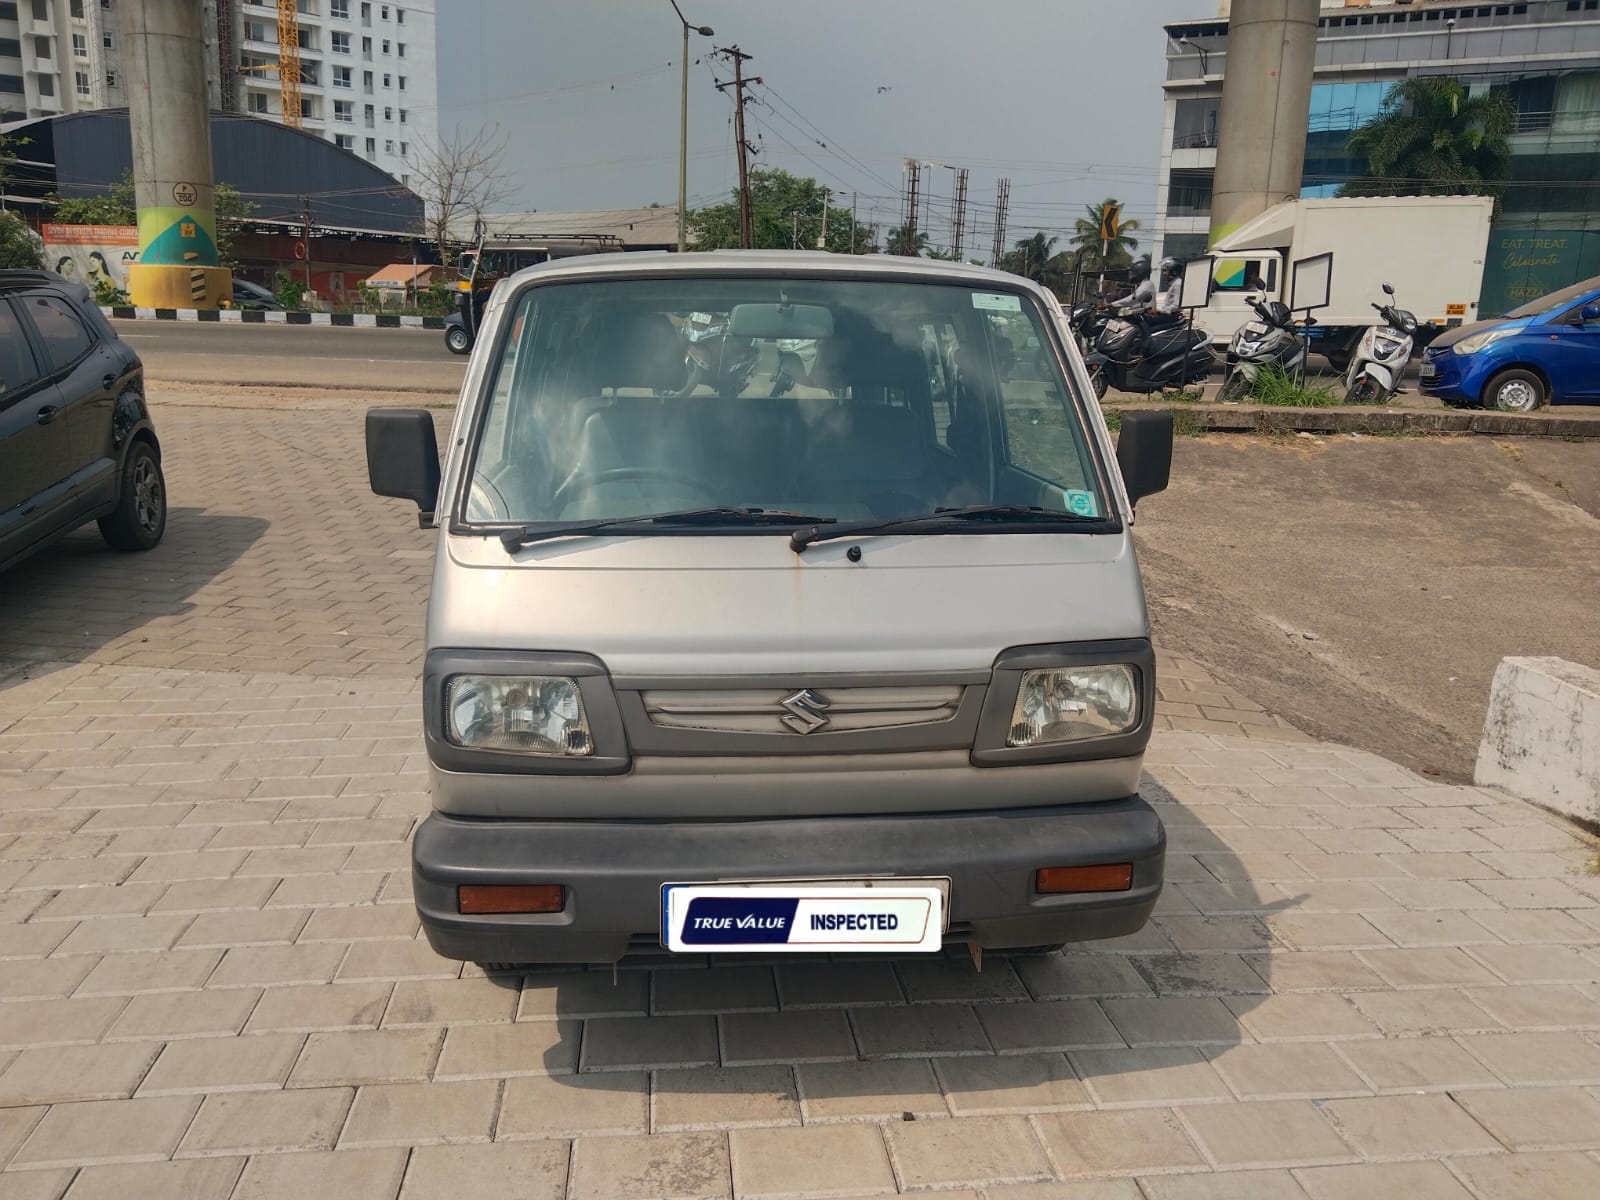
(1082, 503)
(996, 302)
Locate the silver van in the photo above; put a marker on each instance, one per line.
(782, 602)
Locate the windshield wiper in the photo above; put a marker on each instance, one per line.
(514, 539)
(801, 538)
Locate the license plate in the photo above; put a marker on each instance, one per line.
(1427, 371)
(810, 917)
(1254, 327)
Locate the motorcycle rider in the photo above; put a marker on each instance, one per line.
(1143, 294)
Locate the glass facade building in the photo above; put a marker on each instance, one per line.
(1544, 55)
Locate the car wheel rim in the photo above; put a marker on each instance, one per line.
(1517, 395)
(147, 495)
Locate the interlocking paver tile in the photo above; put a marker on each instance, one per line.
(1362, 1181)
(43, 978)
(527, 1170)
(780, 1164)
(1408, 1127)
(1224, 1185)
(465, 1001)
(631, 1043)
(868, 1091)
(1012, 1084)
(1537, 1118)
(498, 1050)
(366, 1056)
(1047, 1025)
(1530, 1176)
(714, 990)
(970, 1151)
(1409, 1065)
(1091, 976)
(147, 971)
(838, 985)
(667, 1166)
(36, 1185)
(1538, 1059)
(230, 930)
(1287, 1071)
(347, 1174)
(267, 966)
(206, 1065)
(15, 1125)
(1540, 964)
(394, 960)
(56, 1022)
(1173, 1020)
(106, 1131)
(265, 1122)
(566, 1106)
(1266, 1133)
(574, 994)
(1201, 974)
(191, 1179)
(723, 1098)
(1428, 966)
(801, 1035)
(54, 1074)
(1430, 1011)
(1136, 1142)
(421, 1114)
(943, 980)
(1314, 971)
(1148, 1075)
(918, 1031)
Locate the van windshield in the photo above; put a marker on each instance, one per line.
(841, 399)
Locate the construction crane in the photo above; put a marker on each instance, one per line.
(289, 61)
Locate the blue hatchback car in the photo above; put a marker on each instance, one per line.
(1546, 352)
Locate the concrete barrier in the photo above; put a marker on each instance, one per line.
(1541, 740)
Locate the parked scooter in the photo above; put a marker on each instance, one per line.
(1131, 356)
(1382, 355)
(1087, 320)
(1271, 340)
(715, 358)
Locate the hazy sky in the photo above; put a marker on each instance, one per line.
(1061, 96)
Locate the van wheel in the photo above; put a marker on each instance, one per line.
(1516, 390)
(456, 340)
(140, 517)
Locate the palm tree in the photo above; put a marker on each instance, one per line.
(1434, 139)
(1096, 251)
(896, 242)
(1035, 258)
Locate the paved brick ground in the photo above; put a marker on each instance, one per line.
(1359, 982)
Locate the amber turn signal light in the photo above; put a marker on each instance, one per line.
(478, 899)
(1103, 877)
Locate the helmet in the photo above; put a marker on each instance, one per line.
(1168, 265)
(1140, 271)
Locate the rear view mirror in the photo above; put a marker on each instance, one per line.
(802, 321)
(1388, 289)
(1144, 453)
(1589, 312)
(403, 457)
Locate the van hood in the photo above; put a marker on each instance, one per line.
(668, 605)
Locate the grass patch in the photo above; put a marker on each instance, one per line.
(1276, 388)
(1113, 419)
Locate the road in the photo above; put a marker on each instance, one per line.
(400, 360)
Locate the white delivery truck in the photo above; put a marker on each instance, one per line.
(1431, 248)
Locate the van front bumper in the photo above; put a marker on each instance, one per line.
(613, 872)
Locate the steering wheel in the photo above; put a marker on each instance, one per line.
(591, 479)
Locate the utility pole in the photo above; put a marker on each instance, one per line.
(959, 216)
(909, 229)
(822, 238)
(305, 212)
(1002, 201)
(852, 222)
(738, 84)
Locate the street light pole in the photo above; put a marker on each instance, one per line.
(683, 130)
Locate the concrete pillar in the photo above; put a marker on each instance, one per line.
(1266, 106)
(163, 61)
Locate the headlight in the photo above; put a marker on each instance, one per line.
(1471, 345)
(1066, 704)
(529, 714)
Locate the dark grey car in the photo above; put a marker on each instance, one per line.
(76, 440)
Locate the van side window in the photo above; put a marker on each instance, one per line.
(65, 339)
(1040, 426)
(1244, 275)
(17, 368)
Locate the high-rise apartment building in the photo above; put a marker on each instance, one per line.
(368, 80)
(57, 56)
(1543, 55)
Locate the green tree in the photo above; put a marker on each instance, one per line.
(784, 208)
(116, 207)
(20, 247)
(899, 242)
(1434, 139)
(1095, 251)
(1036, 258)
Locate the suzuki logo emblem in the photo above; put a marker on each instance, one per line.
(807, 711)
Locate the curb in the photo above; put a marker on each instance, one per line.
(236, 316)
(1247, 418)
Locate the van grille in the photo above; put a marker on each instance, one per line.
(761, 711)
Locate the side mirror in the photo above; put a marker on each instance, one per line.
(403, 457)
(1589, 312)
(1388, 289)
(1144, 453)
